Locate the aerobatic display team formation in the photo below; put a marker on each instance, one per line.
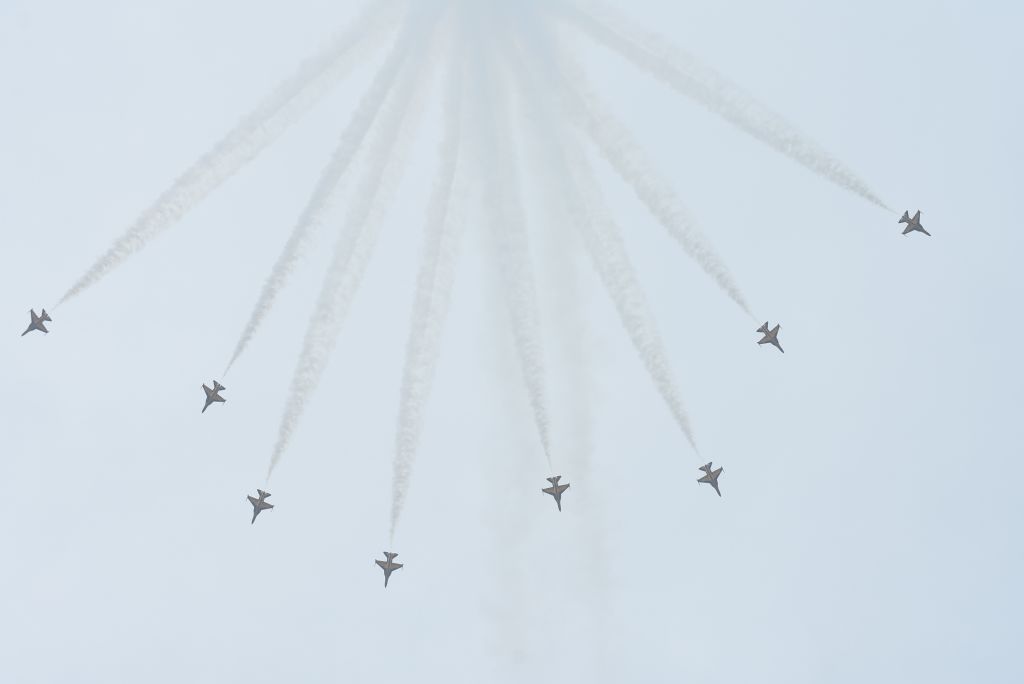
(499, 67)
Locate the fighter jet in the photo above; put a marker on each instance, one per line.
(711, 477)
(37, 322)
(913, 223)
(259, 504)
(556, 489)
(213, 395)
(388, 566)
(770, 336)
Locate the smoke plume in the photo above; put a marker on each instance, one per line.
(250, 136)
(685, 74)
(440, 252)
(564, 168)
(385, 163)
(501, 196)
(327, 189)
(629, 161)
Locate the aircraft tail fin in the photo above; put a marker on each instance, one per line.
(217, 386)
(905, 218)
(763, 328)
(45, 316)
(263, 494)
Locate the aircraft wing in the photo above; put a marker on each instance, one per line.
(383, 564)
(253, 500)
(550, 490)
(910, 227)
(706, 478)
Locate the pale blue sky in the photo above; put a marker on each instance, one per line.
(869, 528)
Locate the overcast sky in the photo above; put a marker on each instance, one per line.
(870, 523)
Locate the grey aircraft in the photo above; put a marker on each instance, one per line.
(37, 322)
(711, 476)
(770, 336)
(259, 504)
(213, 395)
(913, 223)
(556, 489)
(388, 566)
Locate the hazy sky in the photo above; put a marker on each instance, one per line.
(870, 523)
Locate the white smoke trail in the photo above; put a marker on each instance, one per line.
(385, 163)
(285, 105)
(433, 289)
(508, 227)
(685, 74)
(567, 173)
(629, 161)
(613, 266)
(327, 189)
(561, 257)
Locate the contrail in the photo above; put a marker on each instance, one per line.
(629, 161)
(613, 266)
(437, 271)
(502, 202)
(327, 189)
(562, 255)
(685, 74)
(385, 162)
(566, 169)
(285, 105)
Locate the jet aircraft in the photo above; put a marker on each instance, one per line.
(711, 477)
(556, 489)
(213, 395)
(259, 504)
(388, 566)
(37, 322)
(913, 223)
(770, 336)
